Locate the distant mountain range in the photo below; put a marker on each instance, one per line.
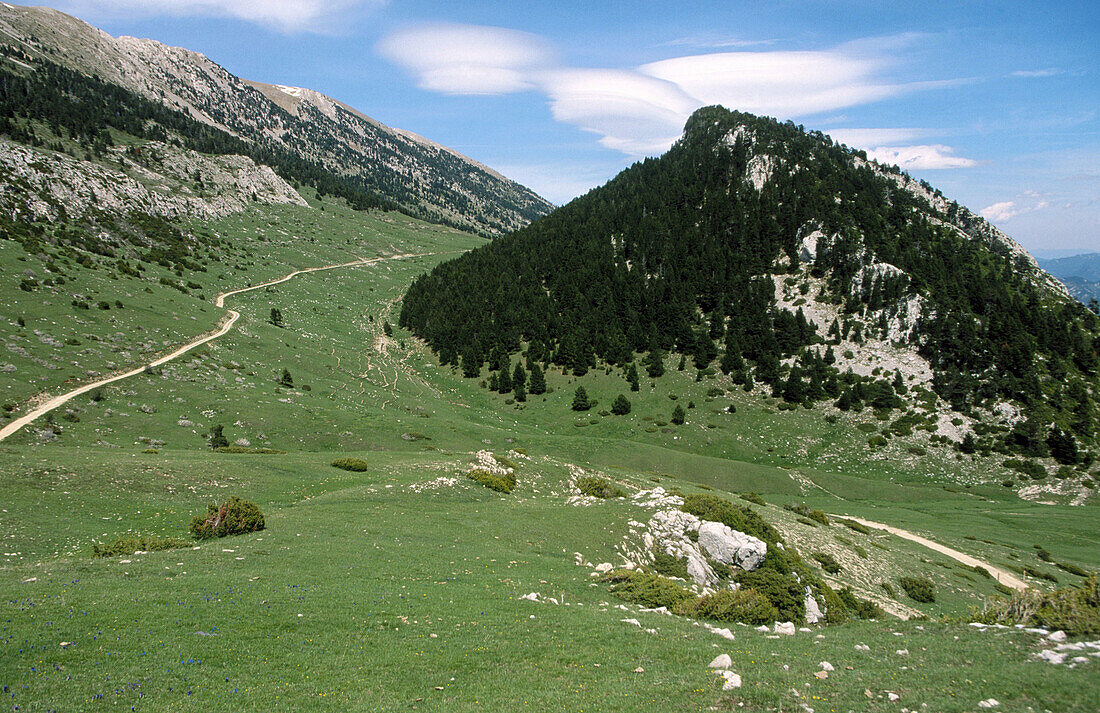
(1080, 273)
(306, 136)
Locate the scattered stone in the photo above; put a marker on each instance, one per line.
(1051, 657)
(826, 666)
(732, 680)
(604, 567)
(892, 696)
(786, 628)
(902, 652)
(639, 670)
(721, 661)
(729, 546)
(762, 629)
(1057, 637)
(66, 644)
(989, 703)
(862, 647)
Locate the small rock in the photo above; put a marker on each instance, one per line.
(732, 680)
(762, 629)
(1051, 657)
(604, 567)
(785, 627)
(989, 703)
(721, 661)
(821, 675)
(862, 647)
(892, 696)
(826, 666)
(639, 670)
(902, 652)
(66, 644)
(1057, 637)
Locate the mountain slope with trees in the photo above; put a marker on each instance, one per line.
(778, 257)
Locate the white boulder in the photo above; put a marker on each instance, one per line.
(729, 546)
(721, 661)
(786, 628)
(813, 611)
(732, 680)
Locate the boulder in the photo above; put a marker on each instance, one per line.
(721, 661)
(786, 628)
(813, 611)
(731, 547)
(732, 680)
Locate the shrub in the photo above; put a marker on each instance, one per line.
(599, 488)
(505, 462)
(234, 517)
(129, 544)
(1071, 568)
(1074, 610)
(783, 591)
(862, 529)
(493, 481)
(740, 518)
(889, 589)
(877, 441)
(621, 406)
(828, 562)
(649, 590)
(668, 565)
(746, 606)
(355, 465)
(678, 415)
(862, 608)
(753, 497)
(919, 589)
(239, 450)
(815, 515)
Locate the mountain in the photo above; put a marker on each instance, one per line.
(368, 161)
(1079, 273)
(778, 257)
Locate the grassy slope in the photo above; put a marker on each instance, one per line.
(354, 553)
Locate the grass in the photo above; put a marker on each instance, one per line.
(334, 605)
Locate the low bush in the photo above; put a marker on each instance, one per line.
(668, 565)
(355, 465)
(649, 590)
(599, 488)
(239, 450)
(783, 591)
(1071, 568)
(1074, 610)
(753, 497)
(234, 517)
(828, 562)
(505, 462)
(861, 608)
(493, 481)
(745, 606)
(129, 544)
(1040, 575)
(852, 525)
(919, 589)
(815, 515)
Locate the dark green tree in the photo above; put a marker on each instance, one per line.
(678, 415)
(285, 379)
(217, 438)
(580, 400)
(538, 380)
(276, 317)
(621, 406)
(632, 377)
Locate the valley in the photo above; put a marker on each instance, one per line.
(759, 425)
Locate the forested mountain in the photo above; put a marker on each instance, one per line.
(776, 256)
(1079, 273)
(303, 134)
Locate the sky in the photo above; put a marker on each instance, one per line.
(995, 103)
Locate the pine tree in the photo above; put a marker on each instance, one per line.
(504, 381)
(519, 376)
(632, 377)
(654, 363)
(519, 393)
(494, 382)
(276, 317)
(580, 400)
(538, 381)
(217, 438)
(471, 364)
(899, 384)
(286, 379)
(844, 403)
(621, 406)
(969, 444)
(387, 328)
(678, 415)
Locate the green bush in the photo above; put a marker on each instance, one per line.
(753, 497)
(129, 544)
(668, 565)
(783, 591)
(649, 590)
(738, 517)
(505, 462)
(919, 589)
(1074, 610)
(862, 608)
(1071, 568)
(599, 488)
(239, 450)
(815, 515)
(492, 481)
(355, 465)
(862, 529)
(746, 606)
(234, 517)
(828, 562)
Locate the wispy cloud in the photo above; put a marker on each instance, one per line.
(713, 42)
(284, 15)
(468, 59)
(1026, 202)
(1051, 72)
(893, 147)
(641, 110)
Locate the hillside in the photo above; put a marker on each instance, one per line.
(387, 165)
(773, 259)
(1079, 273)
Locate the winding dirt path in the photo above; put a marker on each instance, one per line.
(1000, 575)
(226, 324)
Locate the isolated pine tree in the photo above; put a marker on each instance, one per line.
(678, 415)
(632, 376)
(537, 380)
(286, 379)
(580, 400)
(276, 317)
(621, 406)
(217, 438)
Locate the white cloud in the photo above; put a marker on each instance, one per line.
(1050, 72)
(920, 158)
(998, 212)
(468, 59)
(642, 110)
(285, 15)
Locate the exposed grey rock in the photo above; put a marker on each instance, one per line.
(731, 547)
(721, 661)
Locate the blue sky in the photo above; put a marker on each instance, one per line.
(996, 103)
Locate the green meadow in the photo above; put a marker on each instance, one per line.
(401, 587)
